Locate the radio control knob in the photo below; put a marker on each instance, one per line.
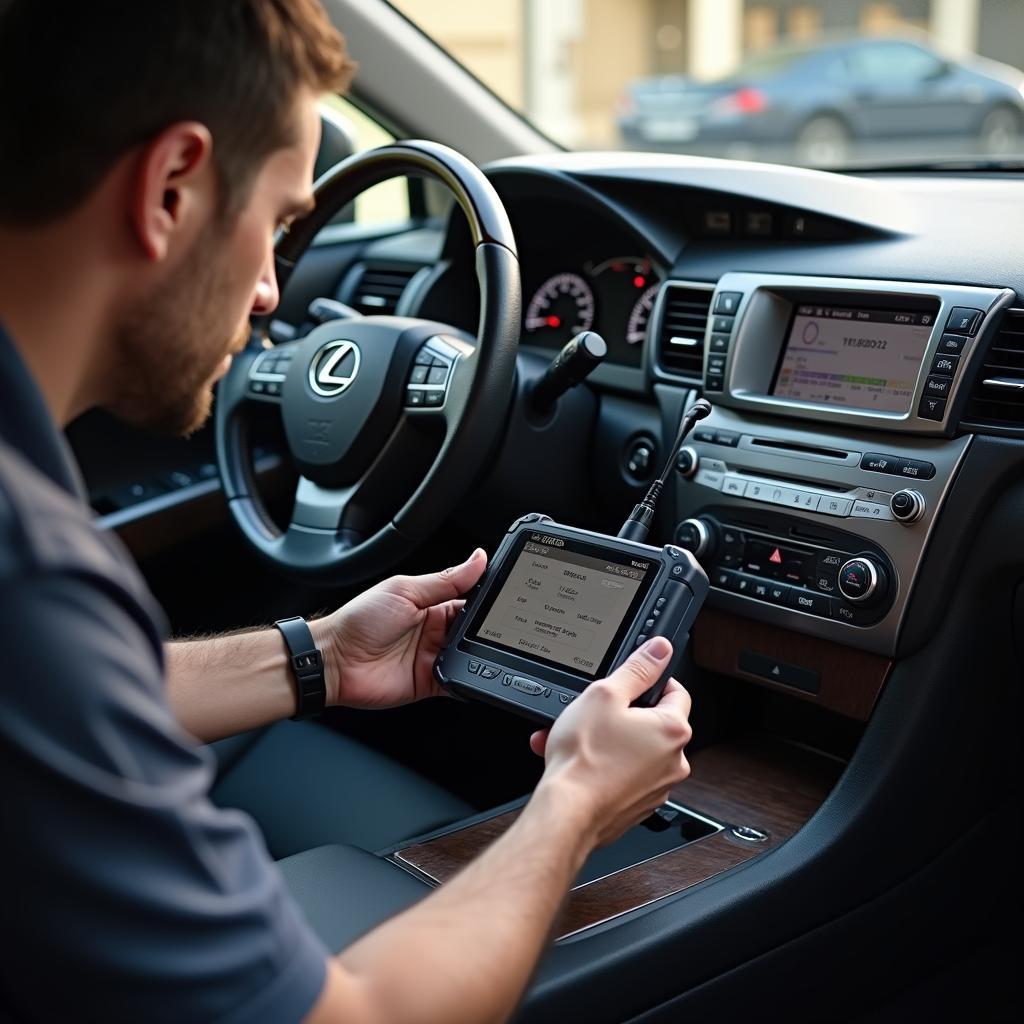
(687, 461)
(907, 506)
(697, 536)
(861, 579)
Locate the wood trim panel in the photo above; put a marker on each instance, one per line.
(764, 784)
(851, 680)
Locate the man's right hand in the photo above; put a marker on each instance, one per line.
(620, 762)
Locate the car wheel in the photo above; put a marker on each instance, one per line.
(1000, 131)
(824, 141)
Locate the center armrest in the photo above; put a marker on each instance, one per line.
(345, 892)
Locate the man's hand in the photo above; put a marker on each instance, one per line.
(621, 761)
(379, 649)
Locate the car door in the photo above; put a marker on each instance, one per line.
(901, 89)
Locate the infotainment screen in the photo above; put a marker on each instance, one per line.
(857, 358)
(563, 606)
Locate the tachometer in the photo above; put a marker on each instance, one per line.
(636, 328)
(563, 305)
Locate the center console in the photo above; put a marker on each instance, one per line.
(811, 493)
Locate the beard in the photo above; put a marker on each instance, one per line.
(170, 347)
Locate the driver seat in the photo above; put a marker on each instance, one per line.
(307, 785)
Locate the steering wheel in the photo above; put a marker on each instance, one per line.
(387, 419)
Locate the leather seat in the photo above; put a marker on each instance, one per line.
(307, 785)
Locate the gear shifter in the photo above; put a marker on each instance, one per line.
(573, 364)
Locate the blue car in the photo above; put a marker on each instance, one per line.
(817, 104)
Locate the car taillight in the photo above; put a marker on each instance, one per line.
(743, 101)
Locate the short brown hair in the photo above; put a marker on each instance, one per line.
(81, 83)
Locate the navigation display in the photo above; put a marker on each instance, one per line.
(563, 607)
(858, 358)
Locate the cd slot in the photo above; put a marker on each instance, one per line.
(796, 448)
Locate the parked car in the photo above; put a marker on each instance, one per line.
(817, 103)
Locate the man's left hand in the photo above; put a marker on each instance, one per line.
(379, 649)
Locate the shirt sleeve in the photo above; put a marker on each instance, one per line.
(127, 895)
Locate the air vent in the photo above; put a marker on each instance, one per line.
(378, 287)
(684, 317)
(997, 398)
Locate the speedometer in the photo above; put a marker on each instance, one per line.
(636, 328)
(561, 307)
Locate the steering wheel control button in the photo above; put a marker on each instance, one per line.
(413, 398)
(944, 365)
(907, 506)
(915, 470)
(437, 374)
(727, 303)
(424, 357)
(931, 408)
(434, 397)
(879, 463)
(419, 375)
(858, 580)
(963, 320)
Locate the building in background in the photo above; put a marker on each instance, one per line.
(567, 64)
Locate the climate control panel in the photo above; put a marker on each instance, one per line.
(827, 577)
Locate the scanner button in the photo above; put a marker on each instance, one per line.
(527, 685)
(566, 698)
(488, 672)
(649, 625)
(507, 679)
(677, 570)
(641, 639)
(660, 603)
(474, 667)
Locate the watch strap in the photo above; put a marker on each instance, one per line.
(307, 666)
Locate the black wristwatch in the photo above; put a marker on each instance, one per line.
(307, 666)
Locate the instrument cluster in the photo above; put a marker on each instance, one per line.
(612, 296)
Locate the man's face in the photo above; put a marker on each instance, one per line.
(176, 342)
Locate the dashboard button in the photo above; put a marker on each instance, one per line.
(704, 434)
(778, 672)
(834, 506)
(778, 593)
(760, 589)
(709, 478)
(722, 578)
(732, 540)
(945, 365)
(722, 324)
(714, 383)
(938, 387)
(715, 465)
(879, 463)
(716, 366)
(728, 438)
(931, 408)
(915, 470)
(727, 302)
(808, 601)
(742, 584)
(870, 510)
(734, 485)
(953, 344)
(719, 343)
(963, 320)
(854, 616)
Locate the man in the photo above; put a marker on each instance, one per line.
(150, 153)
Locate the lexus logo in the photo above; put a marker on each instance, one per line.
(334, 368)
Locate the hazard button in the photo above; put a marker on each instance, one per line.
(781, 672)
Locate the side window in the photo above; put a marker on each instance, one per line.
(893, 62)
(386, 203)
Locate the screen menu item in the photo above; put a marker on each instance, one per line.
(858, 358)
(562, 606)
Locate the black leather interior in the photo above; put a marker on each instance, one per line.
(344, 891)
(308, 786)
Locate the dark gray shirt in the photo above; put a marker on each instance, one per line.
(127, 896)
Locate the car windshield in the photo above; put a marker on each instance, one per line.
(814, 84)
